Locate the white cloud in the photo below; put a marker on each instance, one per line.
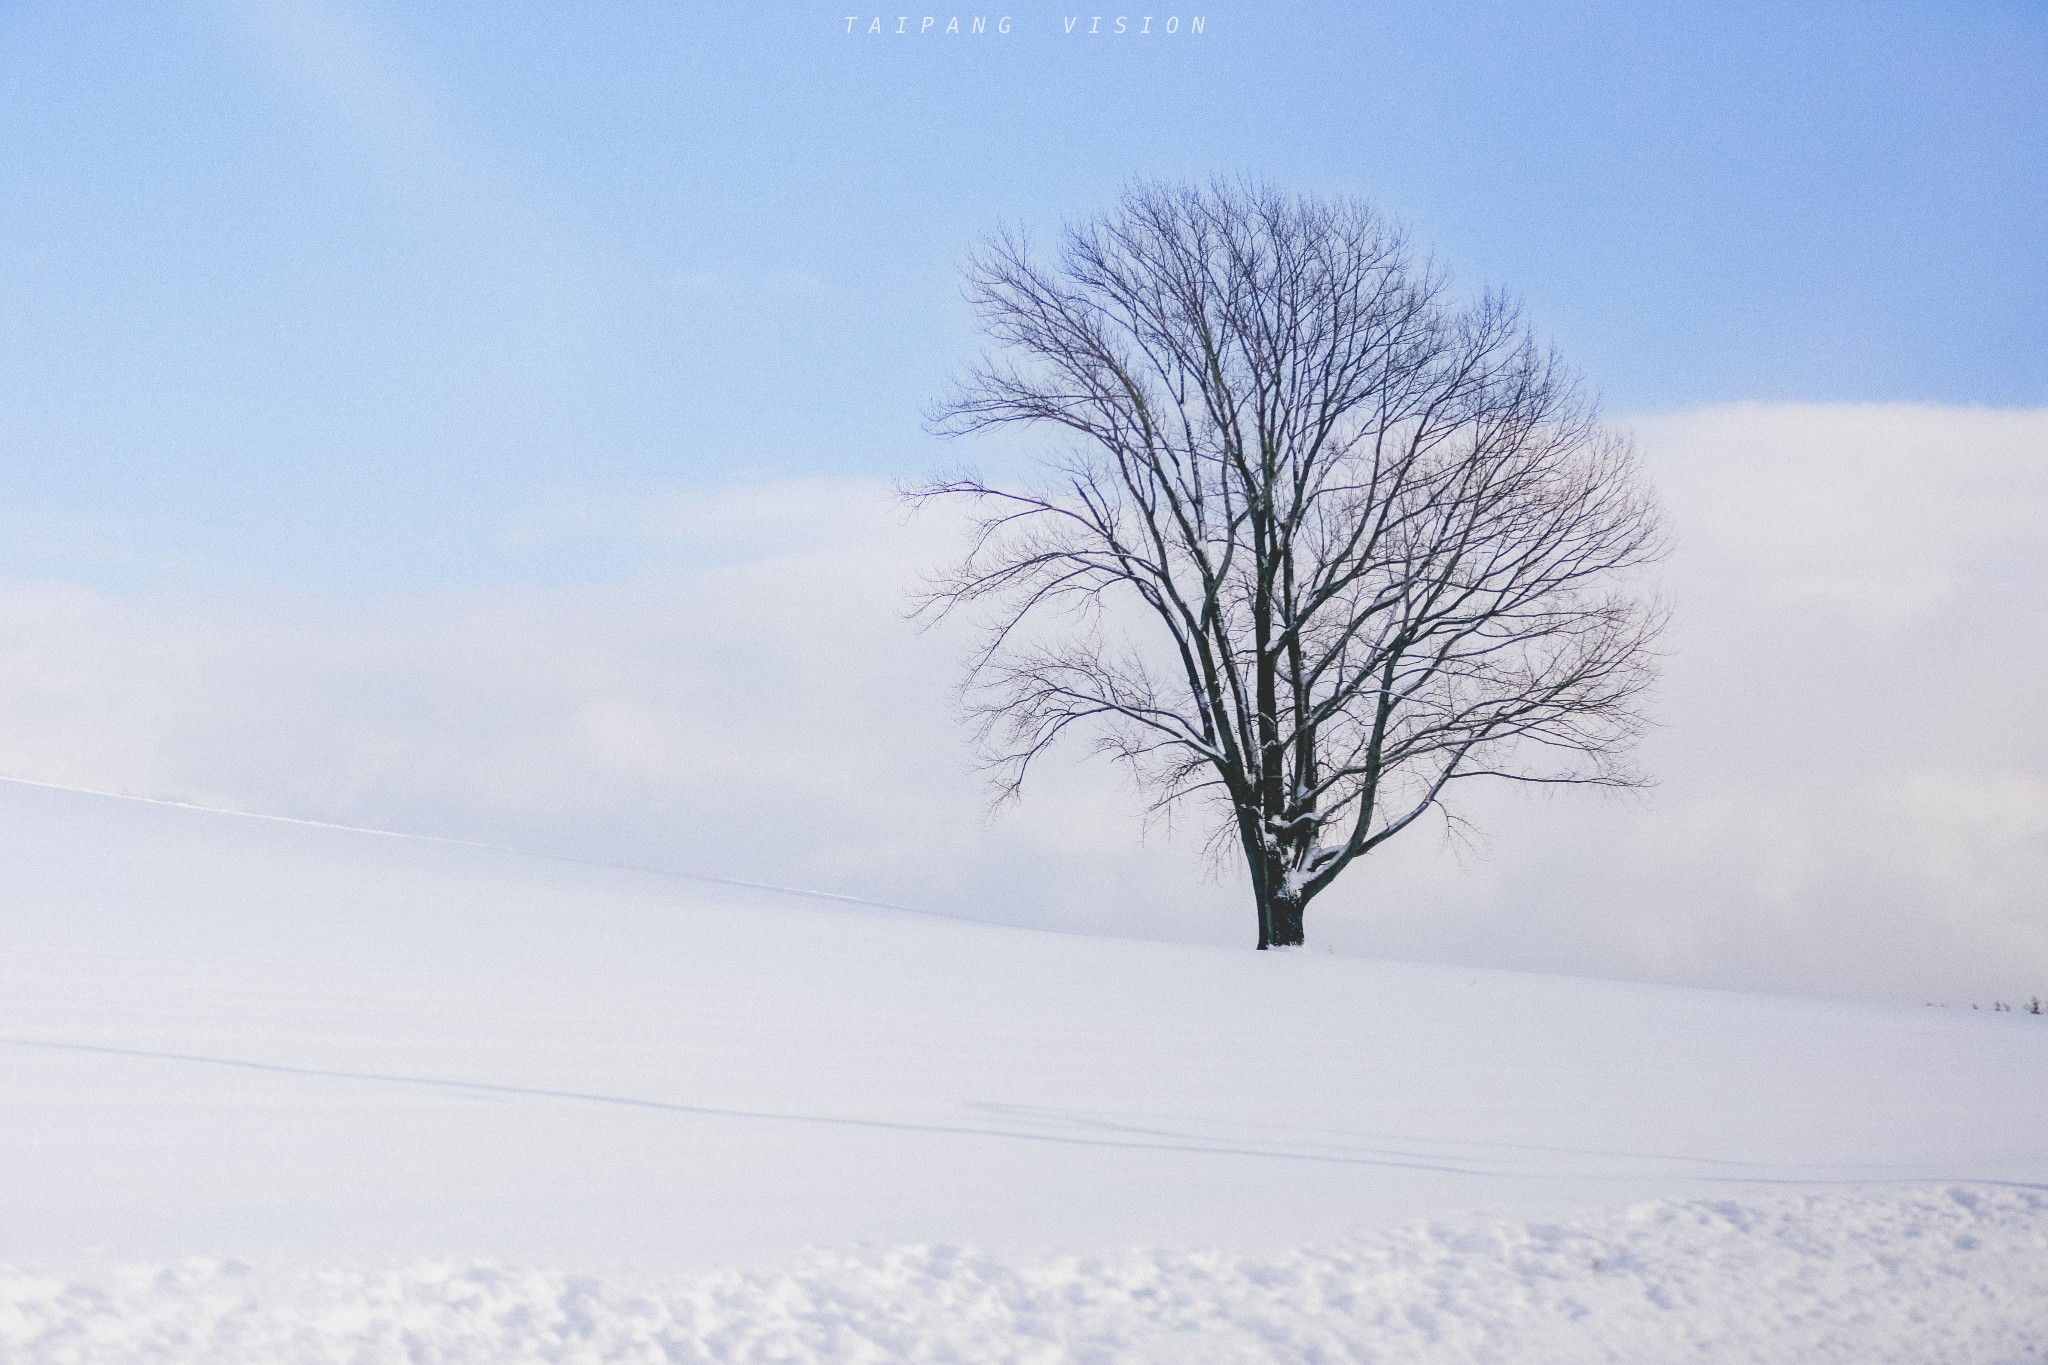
(1854, 764)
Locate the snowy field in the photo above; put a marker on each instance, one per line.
(278, 1092)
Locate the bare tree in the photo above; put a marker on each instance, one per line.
(1319, 540)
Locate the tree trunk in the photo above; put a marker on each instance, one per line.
(1283, 922)
(1279, 912)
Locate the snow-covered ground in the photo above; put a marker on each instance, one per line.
(279, 1092)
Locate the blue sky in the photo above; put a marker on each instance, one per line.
(352, 298)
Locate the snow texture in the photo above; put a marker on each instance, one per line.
(279, 1092)
(1923, 1276)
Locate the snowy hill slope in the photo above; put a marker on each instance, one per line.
(302, 1048)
